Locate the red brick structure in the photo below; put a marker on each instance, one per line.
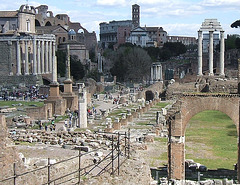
(184, 109)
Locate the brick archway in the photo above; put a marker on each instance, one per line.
(184, 109)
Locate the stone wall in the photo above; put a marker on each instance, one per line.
(8, 156)
(40, 113)
(179, 117)
(8, 63)
(22, 79)
(156, 87)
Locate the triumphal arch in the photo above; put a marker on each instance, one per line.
(178, 118)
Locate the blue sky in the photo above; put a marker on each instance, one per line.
(177, 17)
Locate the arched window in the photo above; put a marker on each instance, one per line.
(48, 24)
(59, 40)
(28, 26)
(37, 23)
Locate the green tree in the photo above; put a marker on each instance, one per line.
(230, 42)
(237, 43)
(153, 52)
(76, 68)
(61, 62)
(130, 64)
(176, 48)
(94, 75)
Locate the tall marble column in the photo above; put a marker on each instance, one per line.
(54, 65)
(211, 53)
(34, 57)
(26, 59)
(38, 58)
(222, 49)
(161, 78)
(68, 63)
(42, 57)
(50, 57)
(152, 73)
(18, 59)
(46, 57)
(200, 53)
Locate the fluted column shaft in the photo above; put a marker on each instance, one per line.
(211, 53)
(38, 58)
(46, 57)
(222, 49)
(200, 53)
(42, 57)
(18, 59)
(50, 57)
(26, 59)
(54, 73)
(34, 57)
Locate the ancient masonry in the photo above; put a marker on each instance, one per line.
(210, 25)
(178, 118)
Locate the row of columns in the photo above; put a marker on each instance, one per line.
(222, 48)
(42, 60)
(156, 72)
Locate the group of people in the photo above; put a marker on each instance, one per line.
(29, 93)
(51, 126)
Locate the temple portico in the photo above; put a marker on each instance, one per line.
(211, 25)
(34, 54)
(156, 72)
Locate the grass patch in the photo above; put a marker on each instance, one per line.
(24, 103)
(161, 139)
(24, 143)
(160, 105)
(217, 133)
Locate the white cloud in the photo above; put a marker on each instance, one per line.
(182, 29)
(220, 3)
(111, 2)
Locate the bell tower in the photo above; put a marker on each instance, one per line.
(136, 15)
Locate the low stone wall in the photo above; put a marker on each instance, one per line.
(40, 113)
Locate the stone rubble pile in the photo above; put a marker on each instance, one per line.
(68, 140)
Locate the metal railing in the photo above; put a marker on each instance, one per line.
(119, 152)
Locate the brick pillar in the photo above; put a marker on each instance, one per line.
(176, 145)
(176, 158)
(239, 76)
(238, 163)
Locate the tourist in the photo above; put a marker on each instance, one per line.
(46, 127)
(51, 127)
(70, 123)
(40, 125)
(66, 123)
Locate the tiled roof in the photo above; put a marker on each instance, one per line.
(8, 13)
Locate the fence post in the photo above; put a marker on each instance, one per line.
(14, 174)
(79, 167)
(129, 143)
(112, 156)
(48, 171)
(118, 152)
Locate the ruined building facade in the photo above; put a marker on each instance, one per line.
(29, 38)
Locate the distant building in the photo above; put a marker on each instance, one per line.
(157, 35)
(47, 23)
(139, 36)
(29, 38)
(119, 32)
(109, 32)
(26, 57)
(185, 40)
